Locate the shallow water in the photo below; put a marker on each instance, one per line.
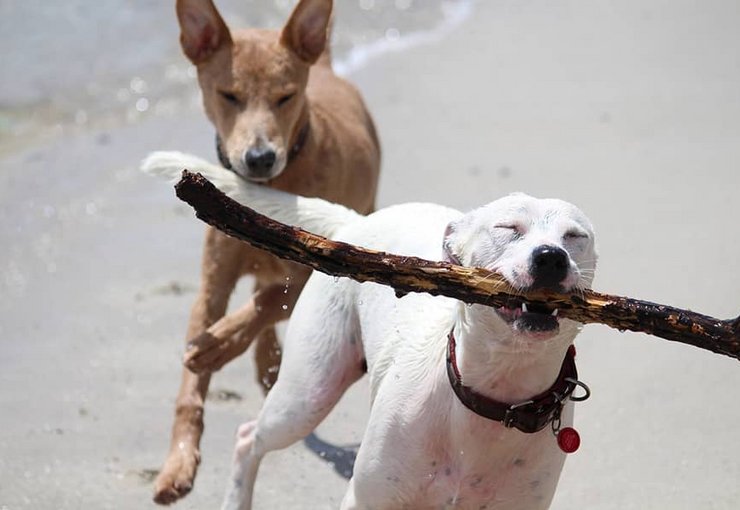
(77, 64)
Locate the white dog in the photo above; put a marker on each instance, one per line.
(465, 399)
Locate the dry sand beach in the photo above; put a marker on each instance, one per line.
(630, 109)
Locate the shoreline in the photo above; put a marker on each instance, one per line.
(166, 83)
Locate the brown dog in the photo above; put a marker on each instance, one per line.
(284, 119)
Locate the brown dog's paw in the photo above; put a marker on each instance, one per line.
(175, 480)
(203, 355)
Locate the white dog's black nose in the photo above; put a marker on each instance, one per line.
(549, 267)
(259, 161)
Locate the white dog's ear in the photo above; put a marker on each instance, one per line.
(307, 30)
(450, 244)
(202, 30)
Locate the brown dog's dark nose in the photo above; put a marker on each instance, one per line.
(260, 161)
(549, 267)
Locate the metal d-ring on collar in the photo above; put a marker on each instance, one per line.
(583, 386)
(529, 416)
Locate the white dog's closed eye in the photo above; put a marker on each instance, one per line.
(511, 229)
(576, 233)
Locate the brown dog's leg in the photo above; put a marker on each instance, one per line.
(233, 334)
(222, 260)
(267, 353)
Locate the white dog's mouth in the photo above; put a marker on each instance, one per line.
(531, 319)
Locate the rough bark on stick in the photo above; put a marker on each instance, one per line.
(467, 284)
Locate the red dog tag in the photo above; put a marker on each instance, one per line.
(569, 440)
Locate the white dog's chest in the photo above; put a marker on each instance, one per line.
(446, 457)
(520, 476)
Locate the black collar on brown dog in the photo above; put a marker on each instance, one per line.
(529, 416)
(300, 141)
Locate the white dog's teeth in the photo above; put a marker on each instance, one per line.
(554, 313)
(524, 307)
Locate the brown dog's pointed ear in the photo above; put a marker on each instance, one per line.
(306, 32)
(202, 30)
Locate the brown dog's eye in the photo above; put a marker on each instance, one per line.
(283, 100)
(231, 98)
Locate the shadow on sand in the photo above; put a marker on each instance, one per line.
(341, 458)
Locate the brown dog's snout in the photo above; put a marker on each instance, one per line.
(259, 161)
(549, 267)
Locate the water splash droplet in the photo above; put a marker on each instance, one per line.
(392, 34)
(142, 104)
(137, 85)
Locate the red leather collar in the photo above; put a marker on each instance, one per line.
(529, 416)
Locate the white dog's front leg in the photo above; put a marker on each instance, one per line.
(321, 359)
(244, 471)
(349, 502)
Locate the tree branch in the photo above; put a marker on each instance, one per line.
(467, 284)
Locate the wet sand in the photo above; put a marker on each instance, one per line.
(629, 109)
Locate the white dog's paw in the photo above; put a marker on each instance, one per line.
(170, 164)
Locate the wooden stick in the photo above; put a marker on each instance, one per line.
(468, 284)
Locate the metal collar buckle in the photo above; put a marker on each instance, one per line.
(510, 415)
